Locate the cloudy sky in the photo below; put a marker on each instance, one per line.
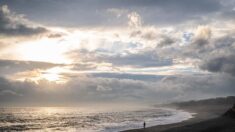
(66, 52)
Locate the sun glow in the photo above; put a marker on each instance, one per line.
(46, 50)
(55, 50)
(51, 75)
(54, 75)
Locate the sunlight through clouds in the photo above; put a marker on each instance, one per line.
(117, 50)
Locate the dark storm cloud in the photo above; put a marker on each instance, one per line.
(14, 66)
(148, 58)
(143, 77)
(144, 58)
(213, 54)
(12, 24)
(84, 66)
(153, 11)
(55, 35)
(224, 64)
(166, 41)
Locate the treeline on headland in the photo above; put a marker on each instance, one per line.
(230, 100)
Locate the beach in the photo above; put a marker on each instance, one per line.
(207, 118)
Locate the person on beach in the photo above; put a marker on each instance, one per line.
(144, 124)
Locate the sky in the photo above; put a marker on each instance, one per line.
(72, 52)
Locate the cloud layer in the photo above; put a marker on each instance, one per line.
(146, 51)
(92, 89)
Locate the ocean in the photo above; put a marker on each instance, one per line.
(85, 119)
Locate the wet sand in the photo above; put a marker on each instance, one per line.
(208, 118)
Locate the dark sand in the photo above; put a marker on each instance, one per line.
(208, 119)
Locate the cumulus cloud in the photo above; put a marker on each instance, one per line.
(212, 53)
(202, 36)
(12, 24)
(134, 20)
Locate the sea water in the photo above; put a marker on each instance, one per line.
(85, 119)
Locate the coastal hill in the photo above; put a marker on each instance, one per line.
(208, 108)
(230, 113)
(230, 100)
(223, 123)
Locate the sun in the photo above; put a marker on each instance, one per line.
(54, 75)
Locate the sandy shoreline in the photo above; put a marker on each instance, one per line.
(202, 113)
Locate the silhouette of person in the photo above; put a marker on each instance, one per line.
(144, 124)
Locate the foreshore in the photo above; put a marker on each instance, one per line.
(204, 116)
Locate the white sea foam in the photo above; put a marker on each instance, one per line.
(170, 116)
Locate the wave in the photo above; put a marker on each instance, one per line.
(77, 119)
